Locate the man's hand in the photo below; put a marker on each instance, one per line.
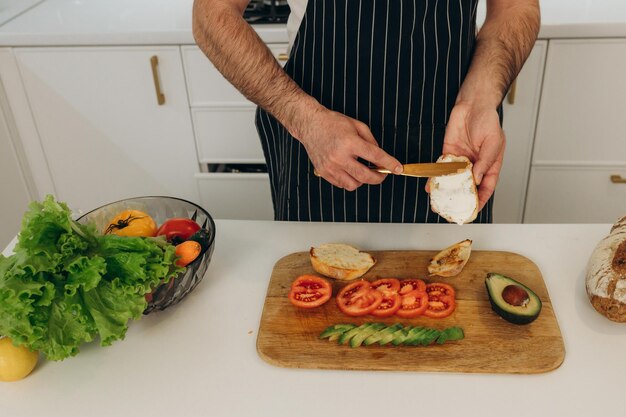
(502, 46)
(475, 132)
(334, 142)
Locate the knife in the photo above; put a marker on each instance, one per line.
(429, 169)
(435, 169)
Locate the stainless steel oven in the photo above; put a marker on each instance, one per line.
(267, 11)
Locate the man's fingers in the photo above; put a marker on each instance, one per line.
(486, 189)
(380, 158)
(365, 132)
(491, 152)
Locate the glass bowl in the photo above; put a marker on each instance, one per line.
(162, 208)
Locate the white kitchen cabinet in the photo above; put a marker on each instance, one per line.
(579, 142)
(223, 121)
(520, 115)
(104, 134)
(242, 196)
(14, 189)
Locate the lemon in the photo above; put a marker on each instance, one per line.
(15, 362)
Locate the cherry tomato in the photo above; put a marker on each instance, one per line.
(438, 289)
(178, 229)
(187, 252)
(408, 285)
(389, 306)
(441, 307)
(308, 291)
(359, 303)
(412, 304)
(387, 285)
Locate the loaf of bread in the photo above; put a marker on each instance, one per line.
(606, 274)
(454, 197)
(340, 261)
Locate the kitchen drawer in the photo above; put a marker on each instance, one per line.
(565, 194)
(225, 135)
(581, 117)
(240, 196)
(205, 84)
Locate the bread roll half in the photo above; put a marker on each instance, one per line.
(340, 261)
(454, 197)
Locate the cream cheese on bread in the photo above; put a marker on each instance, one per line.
(454, 197)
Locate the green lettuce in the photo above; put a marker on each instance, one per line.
(66, 284)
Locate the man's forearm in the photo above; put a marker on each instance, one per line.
(243, 58)
(502, 46)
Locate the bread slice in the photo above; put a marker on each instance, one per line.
(450, 261)
(454, 197)
(340, 261)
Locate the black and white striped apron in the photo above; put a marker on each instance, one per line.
(397, 66)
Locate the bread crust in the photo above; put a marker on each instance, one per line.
(436, 205)
(606, 274)
(450, 261)
(327, 267)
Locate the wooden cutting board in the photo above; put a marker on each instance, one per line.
(289, 336)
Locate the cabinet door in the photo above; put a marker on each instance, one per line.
(520, 114)
(14, 192)
(580, 134)
(104, 135)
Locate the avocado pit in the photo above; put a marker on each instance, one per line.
(515, 295)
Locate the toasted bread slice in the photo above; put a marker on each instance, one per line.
(450, 261)
(454, 197)
(340, 261)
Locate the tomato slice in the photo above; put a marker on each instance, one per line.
(178, 229)
(386, 285)
(390, 304)
(441, 300)
(360, 304)
(309, 291)
(439, 289)
(355, 289)
(412, 304)
(440, 307)
(408, 285)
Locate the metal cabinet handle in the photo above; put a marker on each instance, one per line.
(617, 179)
(154, 62)
(510, 98)
(283, 57)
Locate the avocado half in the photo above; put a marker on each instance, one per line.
(512, 300)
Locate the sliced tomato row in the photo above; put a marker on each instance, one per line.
(384, 297)
(408, 298)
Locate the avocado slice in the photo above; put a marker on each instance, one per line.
(358, 339)
(386, 334)
(511, 299)
(333, 332)
(345, 337)
(399, 336)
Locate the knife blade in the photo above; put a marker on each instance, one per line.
(435, 169)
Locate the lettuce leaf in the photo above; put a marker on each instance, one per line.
(66, 284)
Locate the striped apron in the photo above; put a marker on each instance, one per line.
(397, 66)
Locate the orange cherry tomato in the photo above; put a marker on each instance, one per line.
(308, 291)
(187, 252)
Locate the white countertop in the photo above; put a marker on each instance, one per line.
(199, 358)
(141, 22)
